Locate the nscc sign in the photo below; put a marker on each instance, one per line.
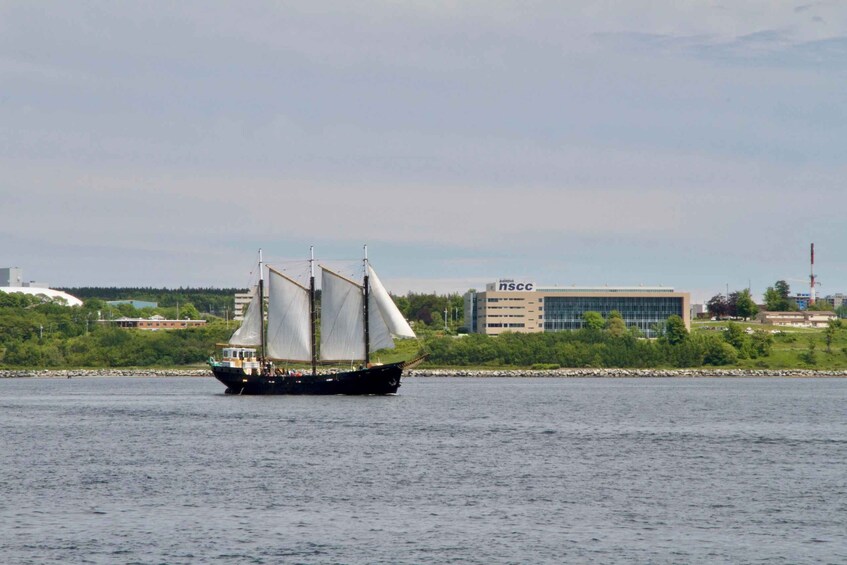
(508, 284)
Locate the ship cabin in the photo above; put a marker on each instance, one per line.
(240, 357)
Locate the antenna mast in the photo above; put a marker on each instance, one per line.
(812, 278)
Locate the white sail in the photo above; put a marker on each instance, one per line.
(342, 318)
(250, 332)
(379, 337)
(393, 318)
(289, 329)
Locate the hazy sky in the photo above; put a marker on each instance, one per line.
(693, 144)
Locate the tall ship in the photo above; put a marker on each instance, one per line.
(356, 320)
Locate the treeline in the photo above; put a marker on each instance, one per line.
(607, 344)
(39, 333)
(429, 309)
(777, 298)
(114, 347)
(213, 301)
(36, 331)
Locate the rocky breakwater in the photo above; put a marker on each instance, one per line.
(73, 373)
(624, 373)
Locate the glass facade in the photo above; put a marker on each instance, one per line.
(565, 312)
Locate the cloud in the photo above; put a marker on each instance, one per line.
(464, 140)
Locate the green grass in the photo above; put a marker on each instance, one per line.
(790, 347)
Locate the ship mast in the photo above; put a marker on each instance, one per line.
(312, 311)
(367, 329)
(262, 307)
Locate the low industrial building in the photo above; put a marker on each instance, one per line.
(523, 307)
(137, 304)
(154, 323)
(803, 319)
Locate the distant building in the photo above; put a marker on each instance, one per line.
(137, 304)
(523, 307)
(12, 280)
(804, 319)
(801, 300)
(699, 311)
(154, 323)
(836, 300)
(242, 299)
(12, 276)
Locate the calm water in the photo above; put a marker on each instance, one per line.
(449, 471)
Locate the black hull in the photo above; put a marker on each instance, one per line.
(381, 379)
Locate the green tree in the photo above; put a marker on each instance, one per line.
(744, 305)
(776, 297)
(615, 324)
(782, 288)
(820, 306)
(761, 343)
(675, 330)
(189, 311)
(736, 337)
(593, 320)
(829, 333)
(718, 306)
(719, 352)
(810, 356)
(437, 320)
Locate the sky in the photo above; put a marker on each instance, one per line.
(692, 144)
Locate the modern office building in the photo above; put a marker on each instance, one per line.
(523, 307)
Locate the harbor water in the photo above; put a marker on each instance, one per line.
(450, 470)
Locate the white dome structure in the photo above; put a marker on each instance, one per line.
(48, 292)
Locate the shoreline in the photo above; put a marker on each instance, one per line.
(464, 373)
(71, 373)
(629, 373)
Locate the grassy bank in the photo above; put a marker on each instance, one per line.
(793, 348)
